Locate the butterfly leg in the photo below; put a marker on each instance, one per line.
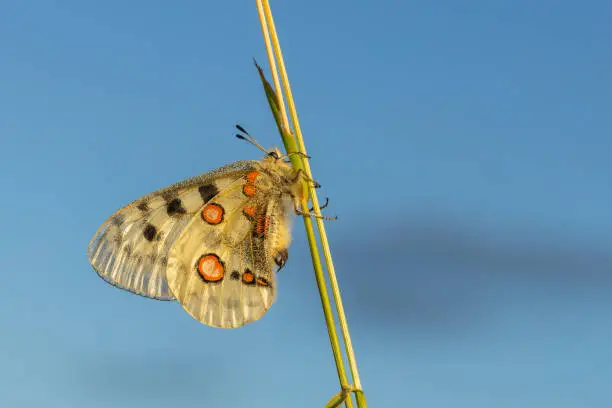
(323, 206)
(310, 214)
(300, 173)
(288, 155)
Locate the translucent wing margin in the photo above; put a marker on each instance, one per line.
(130, 250)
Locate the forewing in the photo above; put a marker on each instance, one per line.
(130, 250)
(222, 272)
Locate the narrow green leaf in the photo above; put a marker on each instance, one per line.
(338, 399)
(288, 140)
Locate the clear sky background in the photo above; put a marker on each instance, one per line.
(465, 147)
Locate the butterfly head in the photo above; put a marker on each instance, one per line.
(278, 162)
(275, 154)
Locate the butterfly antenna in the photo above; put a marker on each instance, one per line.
(248, 138)
(240, 128)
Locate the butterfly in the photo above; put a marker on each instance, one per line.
(214, 242)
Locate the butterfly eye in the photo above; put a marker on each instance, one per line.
(273, 154)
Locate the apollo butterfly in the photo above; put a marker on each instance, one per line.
(214, 242)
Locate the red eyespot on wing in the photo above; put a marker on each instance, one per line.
(249, 190)
(252, 176)
(249, 211)
(212, 213)
(248, 277)
(210, 268)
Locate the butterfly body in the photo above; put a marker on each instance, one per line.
(213, 242)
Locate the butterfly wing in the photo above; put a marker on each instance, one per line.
(130, 250)
(221, 267)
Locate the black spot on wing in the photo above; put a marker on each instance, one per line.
(175, 207)
(235, 275)
(207, 192)
(143, 206)
(150, 232)
(118, 238)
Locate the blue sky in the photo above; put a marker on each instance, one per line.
(463, 146)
